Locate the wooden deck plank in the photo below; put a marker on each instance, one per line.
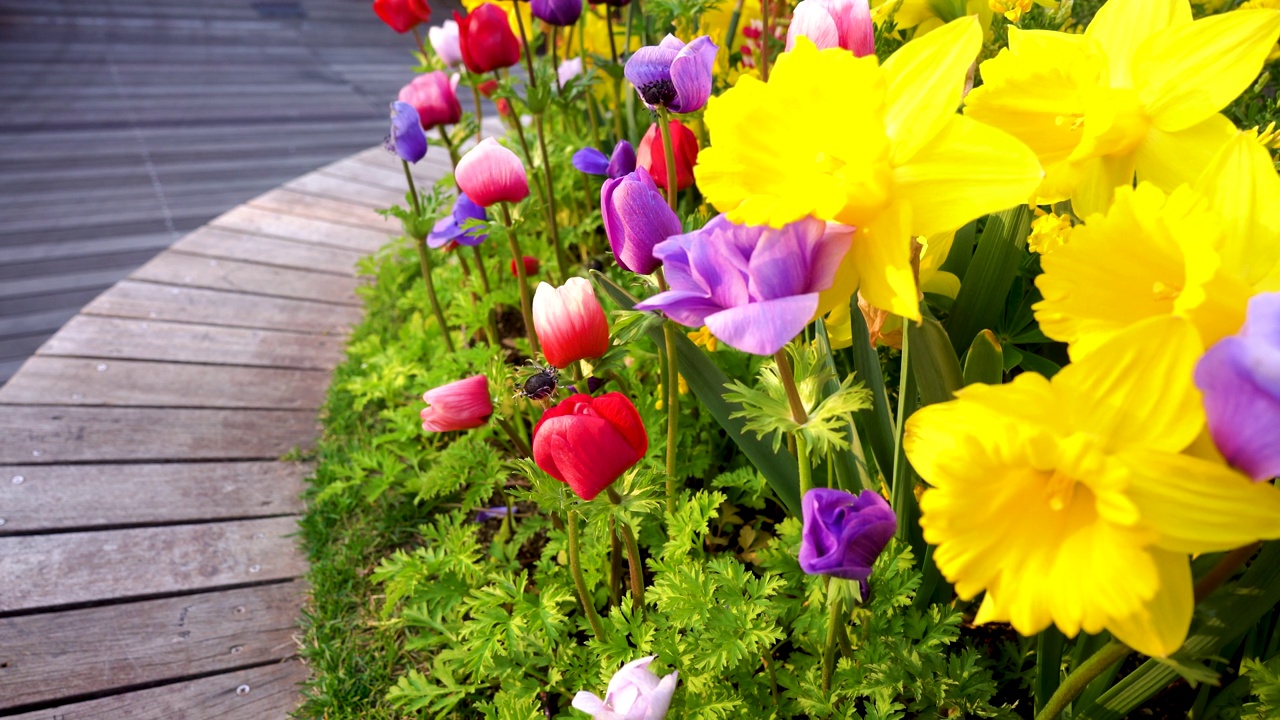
(269, 692)
(155, 301)
(291, 202)
(46, 571)
(339, 188)
(75, 653)
(185, 270)
(60, 497)
(256, 221)
(43, 434)
(46, 380)
(215, 241)
(119, 338)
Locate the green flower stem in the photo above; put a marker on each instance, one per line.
(613, 44)
(551, 200)
(424, 261)
(1112, 653)
(669, 150)
(833, 633)
(903, 500)
(671, 381)
(575, 567)
(615, 563)
(475, 93)
(526, 302)
(617, 109)
(764, 41)
(484, 276)
(521, 447)
(633, 559)
(528, 51)
(734, 19)
(448, 144)
(800, 416)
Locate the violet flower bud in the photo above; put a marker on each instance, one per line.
(672, 74)
(634, 693)
(636, 218)
(449, 228)
(407, 138)
(1240, 380)
(556, 12)
(844, 534)
(593, 162)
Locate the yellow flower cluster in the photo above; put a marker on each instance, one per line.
(1048, 232)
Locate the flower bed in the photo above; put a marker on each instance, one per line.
(829, 401)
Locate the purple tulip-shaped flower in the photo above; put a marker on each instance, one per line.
(755, 288)
(593, 162)
(556, 12)
(449, 228)
(844, 534)
(636, 219)
(1240, 380)
(674, 75)
(407, 138)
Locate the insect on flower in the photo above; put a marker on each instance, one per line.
(541, 385)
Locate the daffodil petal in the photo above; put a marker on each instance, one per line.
(1160, 627)
(1188, 72)
(972, 169)
(1169, 159)
(925, 84)
(881, 254)
(1120, 26)
(1242, 186)
(1136, 388)
(1100, 572)
(1097, 181)
(1199, 505)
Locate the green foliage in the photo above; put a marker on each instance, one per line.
(1264, 685)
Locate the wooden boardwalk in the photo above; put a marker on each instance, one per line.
(125, 124)
(146, 565)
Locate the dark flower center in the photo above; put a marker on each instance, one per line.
(658, 92)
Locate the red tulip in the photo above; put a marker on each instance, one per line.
(570, 323)
(433, 96)
(487, 87)
(460, 405)
(402, 15)
(531, 266)
(489, 173)
(486, 39)
(653, 158)
(588, 442)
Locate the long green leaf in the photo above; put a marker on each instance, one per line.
(933, 361)
(985, 361)
(989, 276)
(875, 421)
(1224, 616)
(707, 383)
(849, 464)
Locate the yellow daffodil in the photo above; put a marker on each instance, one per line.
(880, 148)
(927, 15)
(1199, 253)
(1139, 91)
(1069, 500)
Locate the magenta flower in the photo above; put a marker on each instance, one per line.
(843, 534)
(593, 162)
(673, 75)
(1240, 380)
(434, 96)
(460, 405)
(636, 219)
(449, 228)
(634, 693)
(755, 288)
(490, 173)
(556, 12)
(407, 138)
(834, 23)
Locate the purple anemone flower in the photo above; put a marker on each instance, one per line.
(593, 162)
(407, 138)
(636, 219)
(1240, 380)
(556, 12)
(674, 75)
(449, 228)
(755, 288)
(843, 534)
